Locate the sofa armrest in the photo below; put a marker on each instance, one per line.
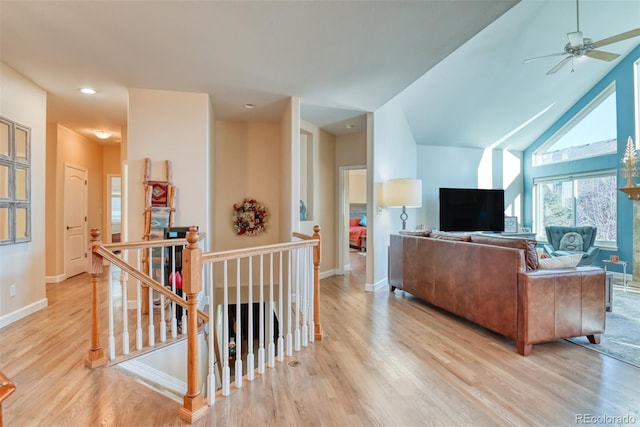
(558, 304)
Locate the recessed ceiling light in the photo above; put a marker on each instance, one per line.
(249, 106)
(350, 126)
(88, 91)
(102, 134)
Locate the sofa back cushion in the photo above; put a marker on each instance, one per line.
(443, 235)
(529, 246)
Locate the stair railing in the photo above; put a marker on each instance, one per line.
(294, 271)
(7, 387)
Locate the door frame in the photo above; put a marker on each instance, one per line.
(343, 215)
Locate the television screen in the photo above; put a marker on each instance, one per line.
(470, 209)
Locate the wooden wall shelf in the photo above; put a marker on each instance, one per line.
(632, 192)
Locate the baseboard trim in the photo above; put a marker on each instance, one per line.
(55, 279)
(379, 285)
(23, 312)
(155, 379)
(327, 273)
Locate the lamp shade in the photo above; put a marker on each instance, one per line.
(405, 192)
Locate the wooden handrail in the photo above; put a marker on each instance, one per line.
(146, 280)
(148, 243)
(257, 250)
(7, 387)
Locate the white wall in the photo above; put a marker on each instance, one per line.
(393, 155)
(175, 126)
(458, 167)
(23, 264)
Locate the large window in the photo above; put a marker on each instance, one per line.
(588, 199)
(590, 133)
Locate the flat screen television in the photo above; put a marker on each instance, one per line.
(471, 209)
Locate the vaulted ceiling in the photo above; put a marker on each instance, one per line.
(455, 66)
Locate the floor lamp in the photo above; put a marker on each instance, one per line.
(403, 193)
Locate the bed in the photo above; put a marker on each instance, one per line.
(358, 226)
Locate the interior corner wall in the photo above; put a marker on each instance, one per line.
(53, 232)
(23, 264)
(76, 150)
(393, 155)
(174, 126)
(111, 165)
(351, 149)
(290, 170)
(324, 194)
(247, 166)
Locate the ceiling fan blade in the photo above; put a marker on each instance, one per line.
(617, 38)
(602, 55)
(576, 39)
(559, 65)
(543, 57)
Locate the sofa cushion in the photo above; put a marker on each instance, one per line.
(418, 233)
(567, 261)
(529, 246)
(443, 235)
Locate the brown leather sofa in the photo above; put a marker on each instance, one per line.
(496, 286)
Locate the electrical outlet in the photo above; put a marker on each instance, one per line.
(12, 290)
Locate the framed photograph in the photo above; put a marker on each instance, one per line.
(525, 230)
(510, 224)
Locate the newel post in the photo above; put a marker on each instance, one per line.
(95, 356)
(193, 404)
(316, 284)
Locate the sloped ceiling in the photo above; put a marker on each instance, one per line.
(456, 64)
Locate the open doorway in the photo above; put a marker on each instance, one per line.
(353, 221)
(114, 208)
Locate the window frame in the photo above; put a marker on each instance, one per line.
(538, 206)
(14, 202)
(570, 124)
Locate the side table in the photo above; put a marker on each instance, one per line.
(606, 262)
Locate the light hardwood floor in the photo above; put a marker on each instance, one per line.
(386, 359)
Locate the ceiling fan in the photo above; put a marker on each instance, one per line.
(580, 46)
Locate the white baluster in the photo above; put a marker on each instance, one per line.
(211, 375)
(312, 295)
(124, 278)
(250, 361)
(280, 310)
(112, 338)
(272, 347)
(151, 327)
(238, 328)
(298, 298)
(139, 306)
(261, 320)
(289, 348)
(226, 370)
(163, 321)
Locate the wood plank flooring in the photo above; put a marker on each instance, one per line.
(385, 360)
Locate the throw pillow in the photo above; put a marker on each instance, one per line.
(363, 221)
(571, 241)
(354, 222)
(567, 261)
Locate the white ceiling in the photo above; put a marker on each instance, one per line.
(465, 84)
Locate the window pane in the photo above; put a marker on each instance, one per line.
(4, 181)
(21, 223)
(21, 144)
(557, 203)
(21, 184)
(590, 133)
(596, 205)
(4, 139)
(4, 223)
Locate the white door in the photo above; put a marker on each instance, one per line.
(75, 220)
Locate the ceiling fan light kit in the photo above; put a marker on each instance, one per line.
(580, 46)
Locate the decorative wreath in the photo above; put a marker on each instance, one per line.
(249, 217)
